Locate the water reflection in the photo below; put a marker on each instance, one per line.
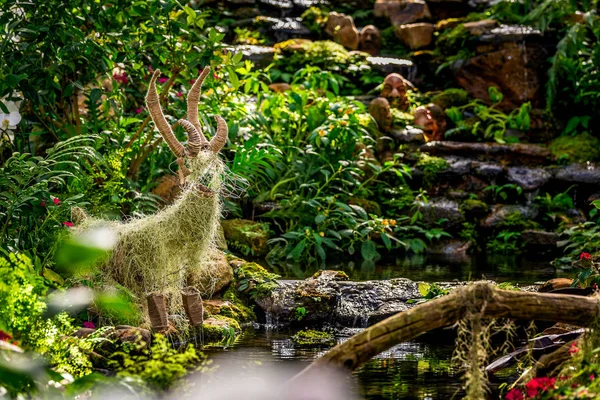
(434, 269)
(412, 370)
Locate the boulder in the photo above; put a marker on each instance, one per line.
(478, 28)
(415, 36)
(501, 212)
(520, 153)
(444, 9)
(217, 329)
(341, 28)
(442, 210)
(401, 12)
(580, 173)
(261, 56)
(247, 236)
(528, 178)
(329, 297)
(390, 65)
(540, 239)
(509, 58)
(214, 275)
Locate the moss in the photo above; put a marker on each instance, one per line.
(315, 19)
(335, 275)
(515, 222)
(254, 280)
(311, 337)
(431, 167)
(451, 98)
(508, 286)
(324, 54)
(474, 207)
(220, 328)
(238, 311)
(401, 118)
(580, 148)
(453, 40)
(247, 236)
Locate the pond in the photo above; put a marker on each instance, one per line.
(420, 369)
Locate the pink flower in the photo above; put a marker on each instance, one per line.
(67, 223)
(121, 78)
(150, 69)
(163, 80)
(192, 81)
(514, 394)
(56, 201)
(5, 336)
(585, 256)
(43, 203)
(216, 76)
(89, 324)
(573, 349)
(179, 94)
(139, 110)
(592, 377)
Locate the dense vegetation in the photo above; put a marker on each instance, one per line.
(309, 166)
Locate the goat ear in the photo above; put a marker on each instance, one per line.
(220, 138)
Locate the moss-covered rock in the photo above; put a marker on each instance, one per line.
(251, 279)
(331, 275)
(248, 237)
(451, 98)
(580, 148)
(220, 328)
(474, 208)
(311, 338)
(431, 167)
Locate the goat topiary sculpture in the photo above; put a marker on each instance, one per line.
(159, 252)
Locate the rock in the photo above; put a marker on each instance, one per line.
(444, 9)
(441, 209)
(341, 28)
(401, 12)
(474, 208)
(280, 87)
(247, 236)
(214, 275)
(261, 56)
(488, 170)
(283, 7)
(501, 212)
(478, 28)
(217, 329)
(510, 59)
(411, 135)
(84, 332)
(226, 308)
(369, 40)
(389, 65)
(580, 173)
(528, 178)
(415, 36)
(325, 298)
(168, 188)
(381, 113)
(537, 239)
(312, 338)
(532, 153)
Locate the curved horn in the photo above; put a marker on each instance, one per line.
(220, 138)
(194, 142)
(153, 104)
(193, 98)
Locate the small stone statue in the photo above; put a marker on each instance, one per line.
(432, 120)
(342, 29)
(394, 90)
(379, 109)
(369, 40)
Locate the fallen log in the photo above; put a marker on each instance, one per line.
(490, 301)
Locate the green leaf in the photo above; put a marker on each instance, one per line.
(368, 250)
(297, 251)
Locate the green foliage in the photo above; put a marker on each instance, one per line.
(315, 18)
(431, 167)
(301, 313)
(254, 280)
(161, 366)
(488, 122)
(451, 98)
(247, 36)
(553, 207)
(311, 337)
(433, 291)
(507, 193)
(580, 148)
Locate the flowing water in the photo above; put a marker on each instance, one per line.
(419, 369)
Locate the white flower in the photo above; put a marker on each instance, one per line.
(10, 120)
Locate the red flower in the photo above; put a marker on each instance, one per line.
(216, 76)
(514, 394)
(56, 201)
(5, 336)
(67, 223)
(89, 324)
(179, 94)
(192, 81)
(592, 377)
(585, 256)
(163, 80)
(43, 203)
(536, 385)
(573, 349)
(139, 110)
